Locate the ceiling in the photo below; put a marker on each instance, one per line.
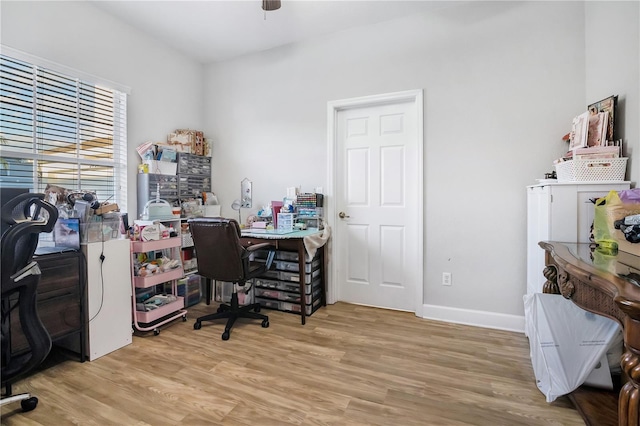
(216, 30)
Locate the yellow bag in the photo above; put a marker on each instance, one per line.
(608, 209)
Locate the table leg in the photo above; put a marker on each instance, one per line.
(629, 397)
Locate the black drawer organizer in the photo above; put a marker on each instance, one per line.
(279, 287)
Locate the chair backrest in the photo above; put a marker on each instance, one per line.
(23, 217)
(17, 209)
(220, 255)
(27, 215)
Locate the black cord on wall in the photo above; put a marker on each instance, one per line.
(102, 258)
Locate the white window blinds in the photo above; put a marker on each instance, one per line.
(56, 129)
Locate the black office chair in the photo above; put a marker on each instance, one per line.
(221, 257)
(24, 217)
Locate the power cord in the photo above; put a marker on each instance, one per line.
(102, 258)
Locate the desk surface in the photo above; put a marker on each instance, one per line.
(614, 277)
(621, 264)
(278, 235)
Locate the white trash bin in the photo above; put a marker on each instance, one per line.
(567, 343)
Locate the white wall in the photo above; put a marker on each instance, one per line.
(502, 82)
(166, 87)
(613, 68)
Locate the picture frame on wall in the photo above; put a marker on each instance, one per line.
(609, 106)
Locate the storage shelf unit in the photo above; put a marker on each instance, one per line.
(279, 287)
(191, 285)
(163, 314)
(194, 175)
(309, 208)
(155, 279)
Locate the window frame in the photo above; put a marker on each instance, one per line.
(116, 130)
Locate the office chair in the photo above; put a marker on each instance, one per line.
(20, 277)
(221, 257)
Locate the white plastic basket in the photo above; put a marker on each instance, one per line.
(187, 240)
(601, 169)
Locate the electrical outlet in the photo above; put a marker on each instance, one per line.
(446, 278)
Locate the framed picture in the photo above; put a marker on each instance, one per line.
(579, 131)
(606, 105)
(598, 124)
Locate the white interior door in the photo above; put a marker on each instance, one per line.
(377, 242)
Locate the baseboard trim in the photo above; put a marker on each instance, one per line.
(475, 318)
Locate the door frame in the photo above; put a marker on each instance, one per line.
(333, 108)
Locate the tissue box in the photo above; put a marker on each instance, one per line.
(161, 167)
(146, 230)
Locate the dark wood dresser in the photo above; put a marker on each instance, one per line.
(61, 301)
(607, 284)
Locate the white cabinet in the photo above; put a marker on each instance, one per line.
(108, 296)
(559, 212)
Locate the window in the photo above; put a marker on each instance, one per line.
(57, 129)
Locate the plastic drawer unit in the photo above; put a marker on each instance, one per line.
(279, 288)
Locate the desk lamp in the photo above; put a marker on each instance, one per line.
(236, 205)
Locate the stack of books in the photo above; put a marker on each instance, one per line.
(596, 152)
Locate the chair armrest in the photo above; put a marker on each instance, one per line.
(31, 269)
(255, 247)
(270, 255)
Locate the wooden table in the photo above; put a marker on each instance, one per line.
(608, 285)
(293, 241)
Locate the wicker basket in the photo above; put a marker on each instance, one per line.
(601, 169)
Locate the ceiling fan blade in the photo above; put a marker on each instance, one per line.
(270, 4)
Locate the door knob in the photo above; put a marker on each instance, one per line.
(343, 215)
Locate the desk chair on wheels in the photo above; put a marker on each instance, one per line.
(221, 257)
(20, 277)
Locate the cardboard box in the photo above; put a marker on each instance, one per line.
(179, 141)
(185, 140)
(105, 208)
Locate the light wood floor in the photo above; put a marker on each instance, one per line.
(349, 365)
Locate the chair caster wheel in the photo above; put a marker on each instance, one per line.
(156, 332)
(225, 335)
(256, 309)
(29, 403)
(265, 323)
(184, 318)
(219, 310)
(197, 325)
